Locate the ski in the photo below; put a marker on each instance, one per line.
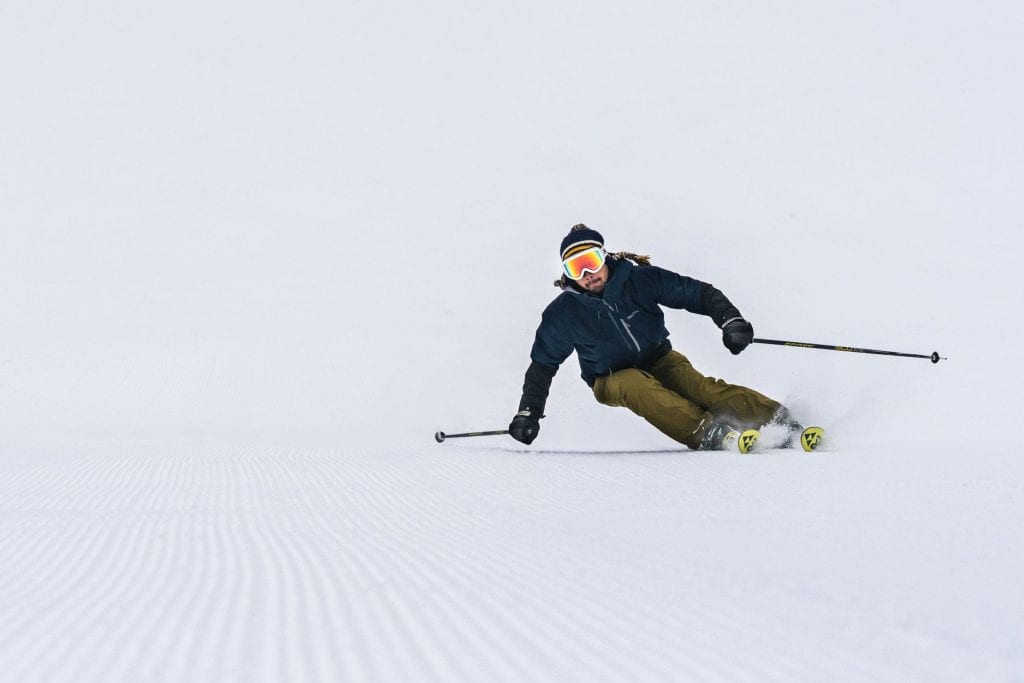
(811, 437)
(749, 441)
(744, 441)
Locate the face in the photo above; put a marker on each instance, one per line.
(595, 282)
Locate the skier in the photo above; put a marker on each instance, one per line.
(609, 313)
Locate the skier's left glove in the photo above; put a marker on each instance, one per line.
(737, 335)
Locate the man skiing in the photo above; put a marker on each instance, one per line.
(609, 312)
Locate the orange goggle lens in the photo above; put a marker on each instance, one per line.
(590, 261)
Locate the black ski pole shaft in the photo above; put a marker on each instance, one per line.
(933, 356)
(441, 436)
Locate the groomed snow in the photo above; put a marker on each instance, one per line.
(253, 256)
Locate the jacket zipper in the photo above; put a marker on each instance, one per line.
(628, 337)
(630, 333)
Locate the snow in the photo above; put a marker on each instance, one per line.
(253, 256)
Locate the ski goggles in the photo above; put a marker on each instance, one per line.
(588, 261)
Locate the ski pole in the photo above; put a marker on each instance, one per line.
(934, 356)
(441, 436)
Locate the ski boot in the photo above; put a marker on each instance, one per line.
(720, 436)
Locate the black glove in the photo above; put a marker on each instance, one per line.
(524, 427)
(737, 335)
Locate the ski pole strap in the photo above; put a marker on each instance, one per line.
(934, 357)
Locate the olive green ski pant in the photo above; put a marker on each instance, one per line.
(681, 402)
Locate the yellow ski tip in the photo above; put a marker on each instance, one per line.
(811, 438)
(747, 440)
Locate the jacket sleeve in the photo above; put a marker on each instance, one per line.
(680, 291)
(536, 387)
(550, 348)
(717, 306)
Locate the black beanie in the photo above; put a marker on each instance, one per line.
(580, 235)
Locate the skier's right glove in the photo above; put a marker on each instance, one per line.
(737, 335)
(524, 427)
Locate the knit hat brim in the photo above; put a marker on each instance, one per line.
(577, 247)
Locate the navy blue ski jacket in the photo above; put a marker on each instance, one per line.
(623, 327)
